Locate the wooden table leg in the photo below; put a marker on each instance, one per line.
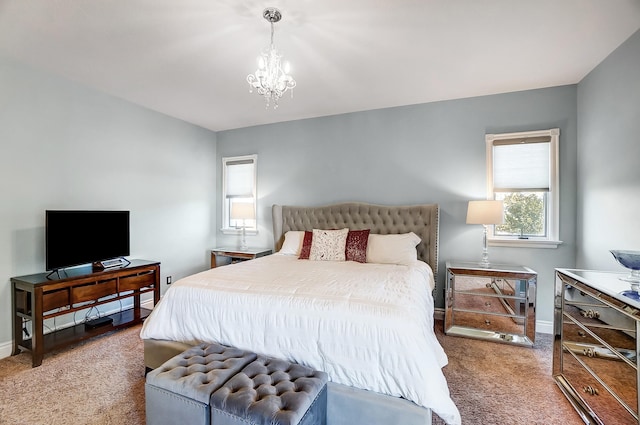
(17, 322)
(37, 339)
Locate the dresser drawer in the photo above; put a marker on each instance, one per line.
(580, 326)
(605, 405)
(594, 311)
(130, 283)
(54, 299)
(93, 291)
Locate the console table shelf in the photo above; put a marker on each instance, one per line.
(73, 334)
(39, 296)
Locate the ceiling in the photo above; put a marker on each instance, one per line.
(189, 58)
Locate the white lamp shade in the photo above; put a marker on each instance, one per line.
(243, 211)
(485, 212)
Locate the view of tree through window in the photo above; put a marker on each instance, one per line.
(524, 214)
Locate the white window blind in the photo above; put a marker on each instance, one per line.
(240, 178)
(521, 165)
(239, 181)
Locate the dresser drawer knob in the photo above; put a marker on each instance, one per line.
(582, 333)
(591, 314)
(487, 304)
(487, 322)
(590, 390)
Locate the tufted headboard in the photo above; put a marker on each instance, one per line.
(423, 220)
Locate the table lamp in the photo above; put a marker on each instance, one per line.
(243, 211)
(485, 213)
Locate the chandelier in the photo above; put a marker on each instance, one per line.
(271, 79)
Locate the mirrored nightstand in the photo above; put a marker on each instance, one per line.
(236, 254)
(495, 303)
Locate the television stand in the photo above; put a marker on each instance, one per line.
(38, 297)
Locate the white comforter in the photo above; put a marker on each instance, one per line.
(368, 326)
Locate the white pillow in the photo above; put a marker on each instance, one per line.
(328, 245)
(392, 249)
(292, 244)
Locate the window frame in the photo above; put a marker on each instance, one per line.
(226, 227)
(552, 209)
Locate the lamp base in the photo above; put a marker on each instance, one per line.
(485, 250)
(243, 242)
(485, 264)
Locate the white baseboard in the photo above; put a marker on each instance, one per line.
(147, 304)
(5, 349)
(542, 326)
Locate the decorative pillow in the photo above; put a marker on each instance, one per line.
(356, 249)
(393, 249)
(328, 245)
(306, 246)
(292, 244)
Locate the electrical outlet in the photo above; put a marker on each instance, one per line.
(168, 280)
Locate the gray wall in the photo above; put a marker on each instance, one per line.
(429, 153)
(609, 158)
(66, 147)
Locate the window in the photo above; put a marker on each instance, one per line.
(522, 171)
(238, 186)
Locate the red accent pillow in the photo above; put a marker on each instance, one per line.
(356, 248)
(305, 251)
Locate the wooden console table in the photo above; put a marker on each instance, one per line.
(39, 296)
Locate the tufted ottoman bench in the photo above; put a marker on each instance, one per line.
(212, 384)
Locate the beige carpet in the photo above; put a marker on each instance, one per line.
(494, 383)
(101, 382)
(98, 382)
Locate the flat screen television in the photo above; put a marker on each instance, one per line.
(75, 237)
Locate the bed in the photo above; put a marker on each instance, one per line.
(368, 325)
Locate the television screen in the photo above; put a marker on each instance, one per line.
(80, 237)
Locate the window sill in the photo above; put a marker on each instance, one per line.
(524, 243)
(234, 231)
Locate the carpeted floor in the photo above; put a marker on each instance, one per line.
(101, 382)
(98, 382)
(494, 383)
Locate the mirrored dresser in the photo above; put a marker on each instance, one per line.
(495, 303)
(595, 353)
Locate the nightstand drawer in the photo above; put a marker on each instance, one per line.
(490, 322)
(486, 301)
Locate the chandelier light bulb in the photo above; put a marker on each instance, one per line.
(271, 79)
